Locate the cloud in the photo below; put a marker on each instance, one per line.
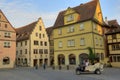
(20, 13)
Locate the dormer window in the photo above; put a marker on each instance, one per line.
(70, 18)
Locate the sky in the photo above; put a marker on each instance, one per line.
(23, 12)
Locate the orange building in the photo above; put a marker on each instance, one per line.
(7, 43)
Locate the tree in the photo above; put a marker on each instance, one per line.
(91, 55)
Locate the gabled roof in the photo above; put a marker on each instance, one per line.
(86, 12)
(7, 19)
(113, 23)
(23, 33)
(49, 30)
(114, 27)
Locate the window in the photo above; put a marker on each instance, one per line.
(60, 44)
(25, 51)
(70, 18)
(40, 28)
(6, 60)
(82, 26)
(71, 43)
(36, 43)
(35, 51)
(116, 47)
(41, 43)
(113, 47)
(45, 43)
(118, 58)
(40, 51)
(6, 26)
(114, 36)
(36, 34)
(59, 31)
(71, 29)
(45, 51)
(7, 44)
(82, 41)
(7, 35)
(43, 35)
(40, 36)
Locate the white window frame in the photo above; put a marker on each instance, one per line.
(59, 31)
(71, 29)
(70, 17)
(60, 44)
(71, 43)
(81, 26)
(82, 41)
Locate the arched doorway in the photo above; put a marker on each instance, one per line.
(83, 57)
(6, 60)
(72, 59)
(61, 59)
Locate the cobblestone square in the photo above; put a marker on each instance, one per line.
(49, 74)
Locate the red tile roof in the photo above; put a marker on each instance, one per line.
(23, 33)
(114, 27)
(113, 23)
(49, 30)
(86, 12)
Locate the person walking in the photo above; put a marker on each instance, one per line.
(36, 66)
(44, 66)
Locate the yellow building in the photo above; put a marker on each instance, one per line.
(76, 29)
(7, 43)
(51, 41)
(113, 43)
(32, 45)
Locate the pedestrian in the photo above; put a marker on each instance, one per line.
(36, 66)
(44, 66)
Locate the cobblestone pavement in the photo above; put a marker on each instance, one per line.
(49, 74)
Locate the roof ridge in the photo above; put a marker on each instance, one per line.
(79, 5)
(26, 25)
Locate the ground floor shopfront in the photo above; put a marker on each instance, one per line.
(31, 62)
(115, 60)
(74, 57)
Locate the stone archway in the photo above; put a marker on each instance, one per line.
(72, 59)
(61, 59)
(83, 57)
(6, 60)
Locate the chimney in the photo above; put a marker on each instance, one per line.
(106, 21)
